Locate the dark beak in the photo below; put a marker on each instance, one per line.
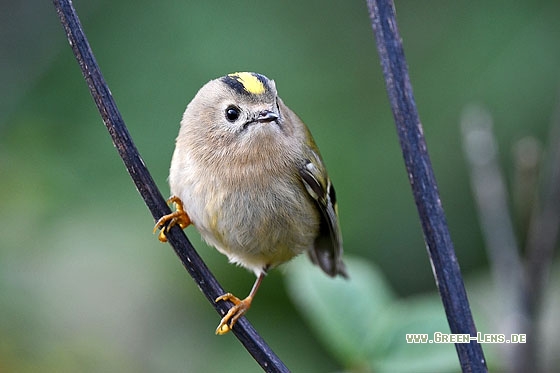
(267, 116)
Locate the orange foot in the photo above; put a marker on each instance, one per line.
(239, 308)
(179, 216)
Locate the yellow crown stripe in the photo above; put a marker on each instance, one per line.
(250, 82)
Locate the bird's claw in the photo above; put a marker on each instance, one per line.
(240, 307)
(179, 216)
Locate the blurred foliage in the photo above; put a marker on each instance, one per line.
(364, 325)
(85, 286)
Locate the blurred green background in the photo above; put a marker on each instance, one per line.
(86, 286)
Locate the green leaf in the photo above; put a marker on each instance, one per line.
(344, 313)
(362, 323)
(417, 315)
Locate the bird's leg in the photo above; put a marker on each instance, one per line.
(240, 307)
(179, 216)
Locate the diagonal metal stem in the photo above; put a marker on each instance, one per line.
(422, 180)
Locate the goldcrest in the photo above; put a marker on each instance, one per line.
(247, 174)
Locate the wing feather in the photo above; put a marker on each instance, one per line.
(327, 250)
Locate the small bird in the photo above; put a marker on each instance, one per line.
(247, 174)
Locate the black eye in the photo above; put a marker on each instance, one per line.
(232, 113)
